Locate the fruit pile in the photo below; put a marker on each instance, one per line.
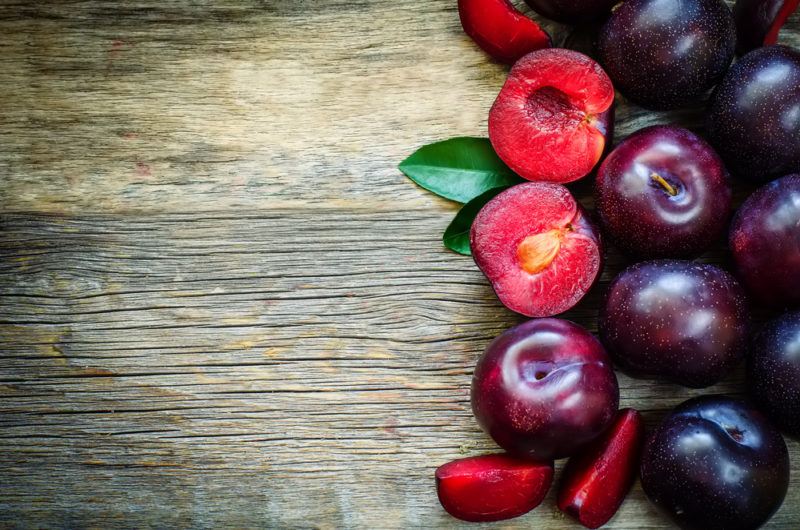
(546, 389)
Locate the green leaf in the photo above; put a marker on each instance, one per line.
(459, 169)
(456, 237)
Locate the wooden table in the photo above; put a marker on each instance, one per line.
(221, 304)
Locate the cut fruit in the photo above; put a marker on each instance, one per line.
(553, 117)
(500, 30)
(594, 483)
(537, 247)
(758, 22)
(492, 487)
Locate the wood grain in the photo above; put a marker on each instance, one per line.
(221, 305)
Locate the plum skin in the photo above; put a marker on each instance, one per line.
(544, 389)
(663, 192)
(681, 321)
(759, 21)
(753, 121)
(716, 463)
(773, 371)
(765, 242)
(665, 54)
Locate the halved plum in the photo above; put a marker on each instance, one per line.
(537, 247)
(758, 22)
(492, 487)
(552, 119)
(501, 30)
(594, 483)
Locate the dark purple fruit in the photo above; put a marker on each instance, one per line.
(716, 463)
(663, 192)
(544, 389)
(773, 371)
(664, 54)
(754, 117)
(765, 242)
(571, 11)
(676, 320)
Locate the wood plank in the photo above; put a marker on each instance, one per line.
(221, 305)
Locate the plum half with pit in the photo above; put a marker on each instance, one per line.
(537, 247)
(544, 389)
(665, 54)
(663, 192)
(680, 321)
(765, 242)
(716, 463)
(773, 371)
(553, 117)
(500, 29)
(758, 22)
(753, 120)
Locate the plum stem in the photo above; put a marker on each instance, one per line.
(664, 184)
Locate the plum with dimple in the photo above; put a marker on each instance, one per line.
(716, 463)
(544, 389)
(537, 247)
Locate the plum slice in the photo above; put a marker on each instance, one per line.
(500, 30)
(492, 487)
(552, 119)
(537, 247)
(758, 22)
(595, 482)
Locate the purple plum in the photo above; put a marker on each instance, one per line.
(544, 389)
(716, 463)
(665, 54)
(773, 371)
(765, 242)
(677, 320)
(754, 117)
(663, 192)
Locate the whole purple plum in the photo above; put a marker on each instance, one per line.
(544, 389)
(716, 463)
(765, 242)
(664, 54)
(677, 320)
(753, 120)
(571, 11)
(773, 371)
(663, 192)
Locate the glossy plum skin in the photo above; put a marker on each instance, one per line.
(773, 371)
(571, 11)
(753, 121)
(677, 320)
(663, 192)
(716, 463)
(665, 54)
(544, 389)
(759, 21)
(765, 242)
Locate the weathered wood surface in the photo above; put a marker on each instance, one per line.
(221, 305)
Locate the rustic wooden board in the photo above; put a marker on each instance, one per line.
(221, 305)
